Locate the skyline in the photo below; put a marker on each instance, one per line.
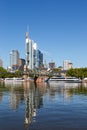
(58, 27)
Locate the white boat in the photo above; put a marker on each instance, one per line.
(63, 79)
(13, 79)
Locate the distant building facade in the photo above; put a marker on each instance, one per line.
(21, 64)
(1, 63)
(52, 65)
(39, 62)
(67, 64)
(14, 59)
(34, 57)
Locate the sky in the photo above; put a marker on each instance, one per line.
(59, 27)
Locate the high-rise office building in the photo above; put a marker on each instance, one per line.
(14, 59)
(34, 57)
(52, 65)
(21, 64)
(39, 59)
(67, 64)
(1, 63)
(29, 52)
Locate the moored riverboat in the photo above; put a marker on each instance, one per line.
(6, 80)
(64, 79)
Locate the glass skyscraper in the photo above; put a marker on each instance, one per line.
(34, 57)
(14, 59)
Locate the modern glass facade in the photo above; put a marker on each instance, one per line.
(34, 57)
(29, 54)
(39, 59)
(14, 59)
(1, 63)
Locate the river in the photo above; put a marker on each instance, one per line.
(29, 106)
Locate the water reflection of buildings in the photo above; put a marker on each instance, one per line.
(33, 100)
(16, 97)
(1, 95)
(65, 89)
(2, 88)
(32, 96)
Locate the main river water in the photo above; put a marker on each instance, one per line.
(29, 106)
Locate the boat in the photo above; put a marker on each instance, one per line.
(64, 79)
(6, 80)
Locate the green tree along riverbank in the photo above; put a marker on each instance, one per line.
(77, 72)
(74, 72)
(4, 73)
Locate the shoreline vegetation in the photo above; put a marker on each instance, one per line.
(40, 76)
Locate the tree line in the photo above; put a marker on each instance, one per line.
(4, 73)
(77, 72)
(74, 72)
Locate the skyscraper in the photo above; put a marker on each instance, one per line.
(1, 63)
(14, 59)
(21, 64)
(39, 62)
(29, 52)
(34, 57)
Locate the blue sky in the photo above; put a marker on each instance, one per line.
(59, 27)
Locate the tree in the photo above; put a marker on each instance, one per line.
(2, 72)
(77, 72)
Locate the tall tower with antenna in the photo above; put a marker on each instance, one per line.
(34, 58)
(29, 51)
